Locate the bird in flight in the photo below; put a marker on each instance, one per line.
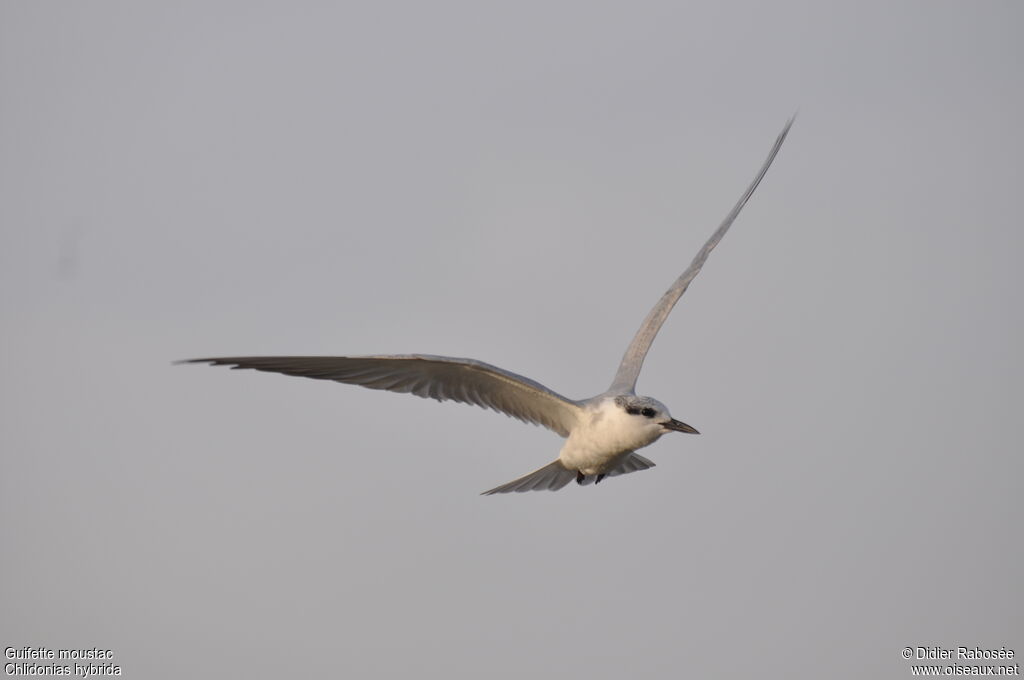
(601, 433)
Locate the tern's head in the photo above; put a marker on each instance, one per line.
(652, 411)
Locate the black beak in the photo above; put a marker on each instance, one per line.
(679, 426)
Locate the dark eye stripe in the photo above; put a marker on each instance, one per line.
(647, 412)
(632, 411)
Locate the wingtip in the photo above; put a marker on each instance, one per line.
(192, 361)
(785, 129)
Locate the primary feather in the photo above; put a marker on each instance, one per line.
(443, 378)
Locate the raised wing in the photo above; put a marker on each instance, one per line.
(633, 360)
(442, 378)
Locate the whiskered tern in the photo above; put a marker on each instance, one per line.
(601, 434)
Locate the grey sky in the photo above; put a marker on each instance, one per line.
(518, 184)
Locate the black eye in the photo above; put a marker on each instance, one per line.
(647, 413)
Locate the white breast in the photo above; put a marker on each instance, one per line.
(605, 434)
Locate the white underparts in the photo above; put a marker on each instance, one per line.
(604, 436)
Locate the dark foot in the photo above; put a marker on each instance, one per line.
(580, 477)
(599, 478)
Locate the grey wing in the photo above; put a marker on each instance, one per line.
(632, 361)
(554, 476)
(551, 477)
(634, 462)
(442, 378)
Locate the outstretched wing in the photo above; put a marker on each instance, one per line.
(442, 378)
(633, 360)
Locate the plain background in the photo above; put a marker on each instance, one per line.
(515, 182)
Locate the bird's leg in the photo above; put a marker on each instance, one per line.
(580, 477)
(599, 478)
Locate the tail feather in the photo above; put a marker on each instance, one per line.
(551, 477)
